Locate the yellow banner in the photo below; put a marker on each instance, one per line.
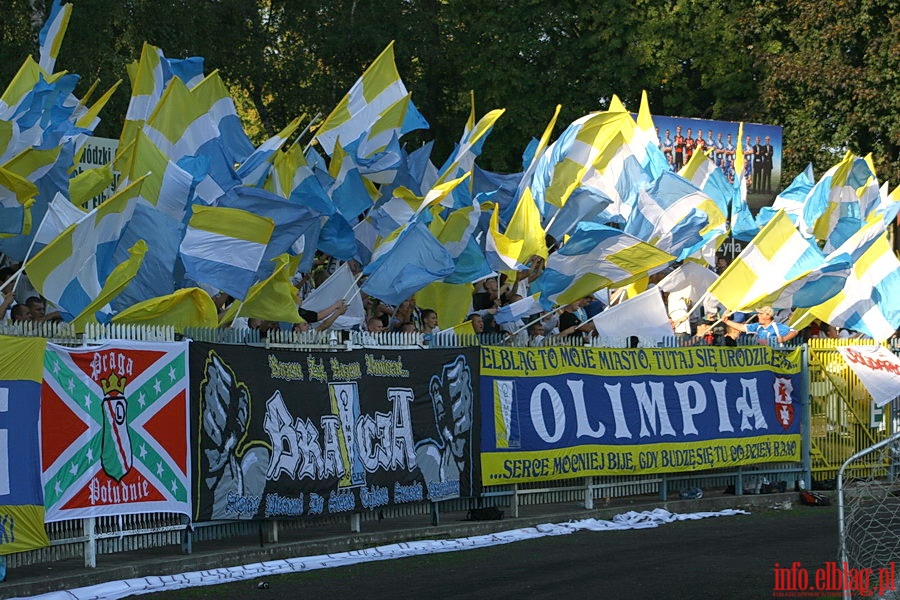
(539, 362)
(22, 528)
(586, 461)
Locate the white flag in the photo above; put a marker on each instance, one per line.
(689, 275)
(60, 214)
(341, 284)
(643, 316)
(877, 368)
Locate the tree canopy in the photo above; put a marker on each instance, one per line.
(825, 71)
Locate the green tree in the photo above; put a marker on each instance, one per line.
(832, 73)
(827, 72)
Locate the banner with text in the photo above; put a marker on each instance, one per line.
(877, 368)
(289, 434)
(556, 412)
(114, 430)
(21, 500)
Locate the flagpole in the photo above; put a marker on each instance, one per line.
(15, 276)
(723, 318)
(350, 299)
(530, 323)
(353, 285)
(617, 299)
(307, 128)
(550, 222)
(238, 313)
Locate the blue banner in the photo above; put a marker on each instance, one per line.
(21, 498)
(550, 413)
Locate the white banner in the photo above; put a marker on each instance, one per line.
(877, 368)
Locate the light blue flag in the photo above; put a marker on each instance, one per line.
(520, 309)
(846, 225)
(671, 215)
(336, 238)
(459, 235)
(12, 217)
(315, 160)
(308, 191)
(499, 188)
(471, 265)
(790, 199)
(413, 119)
(156, 276)
(834, 197)
(189, 70)
(291, 221)
(416, 259)
(593, 258)
(255, 169)
(420, 171)
(585, 204)
(52, 33)
(815, 287)
(743, 226)
(380, 167)
(345, 185)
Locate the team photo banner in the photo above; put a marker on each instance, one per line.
(114, 430)
(557, 412)
(281, 434)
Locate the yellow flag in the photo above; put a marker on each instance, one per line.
(450, 300)
(188, 307)
(117, 281)
(274, 298)
(465, 328)
(525, 225)
(89, 183)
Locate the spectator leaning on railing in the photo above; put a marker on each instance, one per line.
(767, 331)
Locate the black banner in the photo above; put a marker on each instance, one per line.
(280, 434)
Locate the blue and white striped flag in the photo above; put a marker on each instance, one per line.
(868, 301)
(223, 247)
(376, 107)
(52, 34)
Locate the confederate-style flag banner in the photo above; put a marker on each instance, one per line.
(877, 368)
(114, 430)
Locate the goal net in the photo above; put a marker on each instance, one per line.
(869, 507)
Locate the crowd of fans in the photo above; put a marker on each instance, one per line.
(690, 325)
